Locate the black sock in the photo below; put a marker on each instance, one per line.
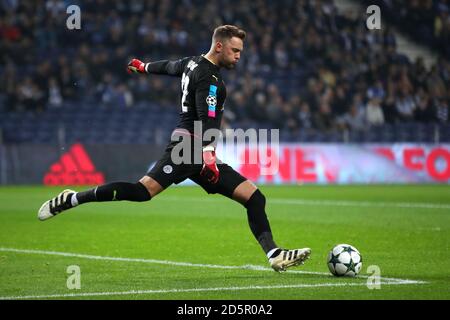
(115, 191)
(258, 222)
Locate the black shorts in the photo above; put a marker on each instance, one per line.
(165, 172)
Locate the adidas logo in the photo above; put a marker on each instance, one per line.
(74, 168)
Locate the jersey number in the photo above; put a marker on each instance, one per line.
(184, 88)
(185, 84)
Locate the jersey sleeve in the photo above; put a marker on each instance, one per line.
(167, 67)
(205, 104)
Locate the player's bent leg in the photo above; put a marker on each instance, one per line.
(254, 201)
(244, 191)
(153, 187)
(280, 259)
(116, 191)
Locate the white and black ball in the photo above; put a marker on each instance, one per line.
(344, 260)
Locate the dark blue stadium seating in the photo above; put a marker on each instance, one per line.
(149, 123)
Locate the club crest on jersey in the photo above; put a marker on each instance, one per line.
(167, 169)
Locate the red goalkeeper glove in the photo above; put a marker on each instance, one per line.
(210, 170)
(136, 66)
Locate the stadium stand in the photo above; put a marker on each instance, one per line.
(317, 75)
(427, 21)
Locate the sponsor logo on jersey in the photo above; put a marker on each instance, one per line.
(191, 65)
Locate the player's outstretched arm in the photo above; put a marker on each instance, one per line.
(165, 67)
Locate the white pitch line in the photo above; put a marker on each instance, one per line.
(327, 203)
(420, 205)
(140, 292)
(186, 264)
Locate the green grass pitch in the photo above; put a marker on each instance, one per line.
(186, 244)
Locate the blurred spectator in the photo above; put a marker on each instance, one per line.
(30, 97)
(355, 118)
(405, 105)
(290, 110)
(305, 116)
(374, 112)
(423, 111)
(441, 110)
(376, 91)
(324, 120)
(124, 96)
(274, 105)
(340, 101)
(55, 98)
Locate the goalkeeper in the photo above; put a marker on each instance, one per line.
(203, 95)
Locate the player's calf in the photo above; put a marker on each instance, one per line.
(279, 259)
(258, 222)
(116, 191)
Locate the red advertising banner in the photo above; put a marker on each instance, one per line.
(278, 164)
(344, 164)
(74, 168)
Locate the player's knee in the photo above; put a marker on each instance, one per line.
(142, 193)
(257, 200)
(151, 185)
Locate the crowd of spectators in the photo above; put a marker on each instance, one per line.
(427, 21)
(304, 65)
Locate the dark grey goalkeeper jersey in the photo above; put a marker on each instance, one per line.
(203, 91)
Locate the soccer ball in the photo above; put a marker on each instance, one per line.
(344, 260)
